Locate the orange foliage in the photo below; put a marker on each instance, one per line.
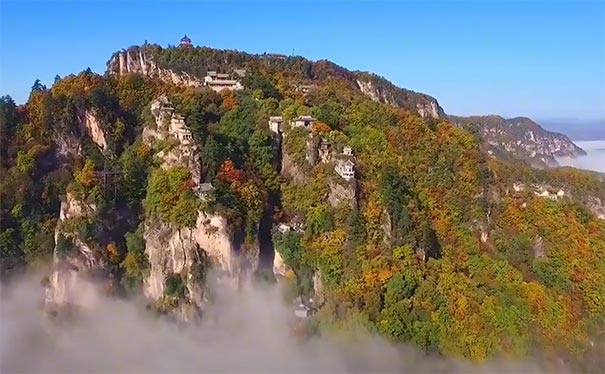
(319, 127)
(229, 173)
(229, 101)
(112, 253)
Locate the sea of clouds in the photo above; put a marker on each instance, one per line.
(246, 331)
(594, 159)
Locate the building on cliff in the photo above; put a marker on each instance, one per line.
(205, 191)
(221, 81)
(300, 121)
(346, 169)
(179, 130)
(304, 88)
(185, 42)
(275, 124)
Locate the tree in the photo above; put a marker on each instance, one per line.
(38, 86)
(170, 197)
(135, 264)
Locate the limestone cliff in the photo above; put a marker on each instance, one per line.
(91, 125)
(73, 259)
(136, 60)
(291, 170)
(342, 192)
(381, 90)
(188, 252)
(279, 266)
(172, 250)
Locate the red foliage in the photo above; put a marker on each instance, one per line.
(229, 173)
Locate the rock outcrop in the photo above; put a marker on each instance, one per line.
(521, 138)
(170, 251)
(188, 252)
(596, 205)
(135, 60)
(342, 193)
(279, 266)
(291, 170)
(73, 259)
(381, 90)
(91, 125)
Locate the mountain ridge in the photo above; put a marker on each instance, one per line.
(522, 138)
(153, 60)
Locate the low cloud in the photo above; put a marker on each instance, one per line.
(250, 330)
(594, 159)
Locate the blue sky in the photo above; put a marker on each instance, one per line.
(544, 59)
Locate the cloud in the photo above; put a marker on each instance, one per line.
(594, 159)
(250, 330)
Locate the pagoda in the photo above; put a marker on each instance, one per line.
(186, 42)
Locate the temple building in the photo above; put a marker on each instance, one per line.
(221, 81)
(185, 42)
(275, 124)
(346, 169)
(305, 121)
(179, 130)
(205, 191)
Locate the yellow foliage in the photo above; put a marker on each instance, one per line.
(112, 253)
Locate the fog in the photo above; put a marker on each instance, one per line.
(246, 331)
(594, 159)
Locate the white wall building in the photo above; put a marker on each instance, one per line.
(275, 124)
(305, 121)
(346, 169)
(221, 81)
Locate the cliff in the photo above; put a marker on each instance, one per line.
(521, 138)
(90, 124)
(185, 254)
(73, 259)
(379, 89)
(138, 60)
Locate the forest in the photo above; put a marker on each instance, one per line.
(436, 249)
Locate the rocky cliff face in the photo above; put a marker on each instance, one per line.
(71, 266)
(135, 60)
(522, 138)
(187, 252)
(170, 251)
(342, 193)
(91, 125)
(381, 90)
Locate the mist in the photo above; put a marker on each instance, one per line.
(250, 330)
(594, 159)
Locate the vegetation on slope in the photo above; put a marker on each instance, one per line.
(407, 260)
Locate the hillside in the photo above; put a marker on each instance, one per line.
(190, 66)
(521, 138)
(362, 199)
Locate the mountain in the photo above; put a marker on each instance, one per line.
(521, 138)
(189, 67)
(186, 171)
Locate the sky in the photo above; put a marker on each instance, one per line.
(542, 59)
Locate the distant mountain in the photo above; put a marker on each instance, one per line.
(521, 138)
(577, 129)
